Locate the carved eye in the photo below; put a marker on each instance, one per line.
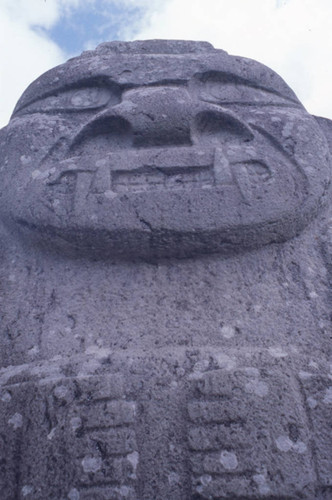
(222, 89)
(89, 98)
(236, 93)
(74, 100)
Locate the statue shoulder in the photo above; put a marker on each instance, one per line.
(326, 126)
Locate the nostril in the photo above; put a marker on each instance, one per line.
(112, 132)
(218, 126)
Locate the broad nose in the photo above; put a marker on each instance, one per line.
(170, 116)
(164, 116)
(157, 116)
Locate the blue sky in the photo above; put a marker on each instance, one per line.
(89, 24)
(291, 36)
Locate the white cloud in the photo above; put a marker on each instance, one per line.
(30, 12)
(25, 49)
(291, 36)
(24, 53)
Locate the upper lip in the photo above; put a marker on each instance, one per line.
(136, 162)
(159, 168)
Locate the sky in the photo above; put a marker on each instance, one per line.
(293, 37)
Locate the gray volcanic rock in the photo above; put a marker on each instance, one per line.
(150, 150)
(165, 282)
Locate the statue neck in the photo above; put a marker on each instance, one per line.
(56, 306)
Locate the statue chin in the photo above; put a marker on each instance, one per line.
(141, 240)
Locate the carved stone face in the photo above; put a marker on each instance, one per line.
(153, 149)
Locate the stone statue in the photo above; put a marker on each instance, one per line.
(166, 256)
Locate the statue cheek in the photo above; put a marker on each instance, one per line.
(296, 133)
(27, 137)
(25, 142)
(36, 135)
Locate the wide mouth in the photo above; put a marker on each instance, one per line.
(166, 202)
(159, 169)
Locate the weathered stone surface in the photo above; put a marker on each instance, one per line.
(165, 282)
(152, 154)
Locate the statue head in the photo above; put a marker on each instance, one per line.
(161, 148)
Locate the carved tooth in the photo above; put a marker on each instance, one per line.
(102, 178)
(83, 184)
(221, 167)
(242, 180)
